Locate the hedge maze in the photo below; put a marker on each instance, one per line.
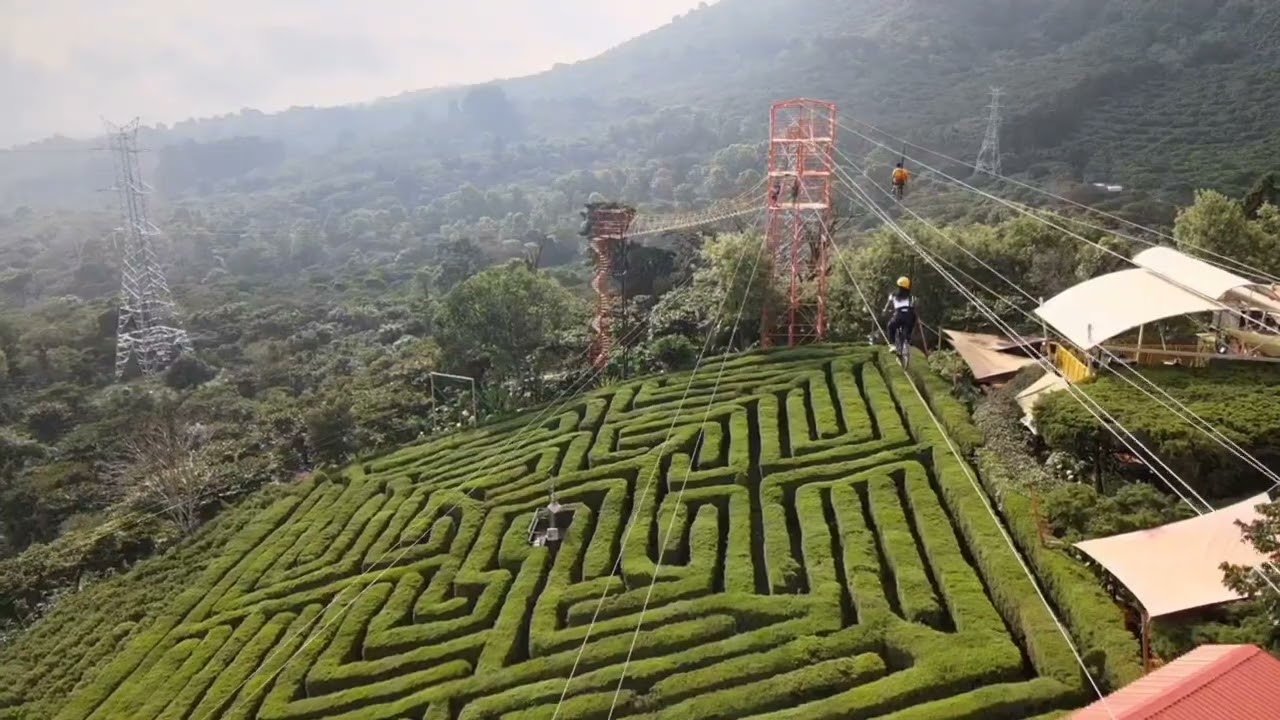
(831, 559)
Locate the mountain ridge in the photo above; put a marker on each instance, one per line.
(1071, 72)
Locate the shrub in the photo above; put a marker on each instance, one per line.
(1242, 403)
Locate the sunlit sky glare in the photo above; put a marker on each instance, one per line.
(65, 64)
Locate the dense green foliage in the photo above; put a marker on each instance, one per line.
(327, 261)
(831, 557)
(1241, 402)
(1092, 487)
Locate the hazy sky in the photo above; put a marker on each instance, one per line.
(65, 63)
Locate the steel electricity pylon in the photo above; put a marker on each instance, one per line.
(146, 330)
(989, 155)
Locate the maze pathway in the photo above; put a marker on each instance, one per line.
(830, 560)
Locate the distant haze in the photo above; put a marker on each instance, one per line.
(66, 63)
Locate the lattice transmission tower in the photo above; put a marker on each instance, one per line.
(802, 135)
(989, 154)
(146, 331)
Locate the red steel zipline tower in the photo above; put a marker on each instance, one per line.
(802, 136)
(606, 226)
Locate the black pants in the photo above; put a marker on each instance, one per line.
(904, 318)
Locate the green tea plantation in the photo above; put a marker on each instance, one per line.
(808, 545)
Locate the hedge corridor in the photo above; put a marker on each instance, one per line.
(831, 560)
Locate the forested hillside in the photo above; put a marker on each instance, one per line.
(1163, 96)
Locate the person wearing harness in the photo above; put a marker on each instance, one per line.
(900, 177)
(903, 308)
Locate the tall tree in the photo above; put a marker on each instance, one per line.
(507, 314)
(1261, 583)
(737, 274)
(165, 464)
(1264, 192)
(1221, 225)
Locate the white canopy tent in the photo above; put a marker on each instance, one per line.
(1165, 284)
(1174, 567)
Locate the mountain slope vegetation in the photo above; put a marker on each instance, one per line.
(1202, 73)
(327, 261)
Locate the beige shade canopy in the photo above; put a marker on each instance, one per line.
(1191, 274)
(1165, 284)
(1174, 567)
(1037, 391)
(1097, 310)
(984, 353)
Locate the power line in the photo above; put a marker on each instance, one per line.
(964, 465)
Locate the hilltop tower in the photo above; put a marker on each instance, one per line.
(146, 331)
(802, 136)
(989, 154)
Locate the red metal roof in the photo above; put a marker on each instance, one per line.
(1212, 682)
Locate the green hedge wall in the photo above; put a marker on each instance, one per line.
(829, 558)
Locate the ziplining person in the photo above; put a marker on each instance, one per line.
(903, 307)
(900, 178)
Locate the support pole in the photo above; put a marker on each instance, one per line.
(475, 415)
(1146, 641)
(620, 271)
(1137, 355)
(1044, 331)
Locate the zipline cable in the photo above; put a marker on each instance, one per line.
(155, 510)
(1014, 336)
(1041, 191)
(653, 473)
(567, 395)
(1066, 636)
(1211, 431)
(1075, 391)
(1223, 307)
(1185, 413)
(675, 509)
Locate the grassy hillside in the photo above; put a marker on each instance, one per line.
(830, 559)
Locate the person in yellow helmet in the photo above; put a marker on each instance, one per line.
(903, 310)
(900, 178)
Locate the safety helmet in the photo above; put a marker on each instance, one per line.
(904, 282)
